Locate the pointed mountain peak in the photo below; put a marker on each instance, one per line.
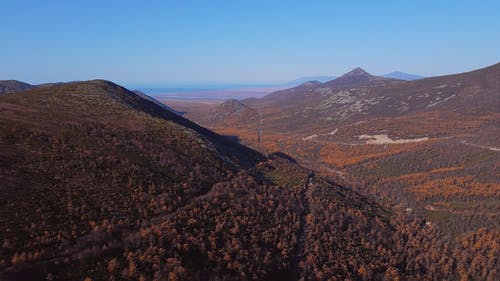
(231, 111)
(232, 104)
(358, 71)
(356, 78)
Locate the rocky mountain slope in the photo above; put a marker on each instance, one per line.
(358, 99)
(428, 146)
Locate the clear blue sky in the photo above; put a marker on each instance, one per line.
(160, 42)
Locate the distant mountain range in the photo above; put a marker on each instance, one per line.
(12, 86)
(358, 96)
(243, 91)
(302, 80)
(325, 78)
(403, 76)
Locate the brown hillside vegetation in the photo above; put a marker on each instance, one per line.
(426, 149)
(101, 184)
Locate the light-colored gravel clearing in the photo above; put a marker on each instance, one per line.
(384, 139)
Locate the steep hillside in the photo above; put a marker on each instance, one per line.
(12, 86)
(294, 109)
(306, 93)
(81, 155)
(151, 99)
(429, 146)
(360, 103)
(283, 97)
(99, 183)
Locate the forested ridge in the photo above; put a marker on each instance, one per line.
(99, 184)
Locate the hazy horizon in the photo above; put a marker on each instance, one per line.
(258, 42)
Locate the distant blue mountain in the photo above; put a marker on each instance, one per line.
(302, 80)
(402, 76)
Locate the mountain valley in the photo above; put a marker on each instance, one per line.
(358, 178)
